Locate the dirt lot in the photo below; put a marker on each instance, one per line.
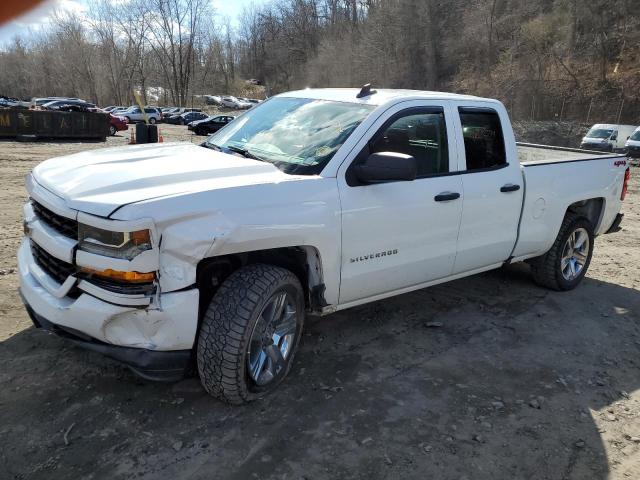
(488, 377)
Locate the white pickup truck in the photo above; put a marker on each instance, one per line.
(168, 256)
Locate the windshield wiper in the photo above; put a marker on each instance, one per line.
(244, 152)
(212, 146)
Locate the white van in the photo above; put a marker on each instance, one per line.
(607, 137)
(633, 144)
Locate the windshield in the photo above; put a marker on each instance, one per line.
(298, 135)
(599, 133)
(635, 136)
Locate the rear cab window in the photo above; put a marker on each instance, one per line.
(483, 139)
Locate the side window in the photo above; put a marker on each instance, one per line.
(421, 133)
(483, 140)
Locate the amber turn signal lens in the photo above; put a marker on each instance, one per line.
(140, 237)
(134, 277)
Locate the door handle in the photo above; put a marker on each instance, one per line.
(509, 188)
(446, 196)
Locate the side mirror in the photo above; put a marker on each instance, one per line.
(614, 137)
(386, 167)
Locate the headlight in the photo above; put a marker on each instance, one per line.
(113, 244)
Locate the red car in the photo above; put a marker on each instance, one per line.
(116, 124)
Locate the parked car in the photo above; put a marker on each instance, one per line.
(71, 107)
(172, 117)
(134, 114)
(119, 110)
(217, 252)
(210, 124)
(13, 102)
(607, 137)
(42, 100)
(632, 146)
(186, 117)
(169, 112)
(56, 104)
(235, 103)
(117, 124)
(213, 99)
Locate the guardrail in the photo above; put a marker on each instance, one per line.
(34, 124)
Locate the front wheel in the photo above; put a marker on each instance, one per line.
(112, 130)
(250, 333)
(564, 266)
(152, 120)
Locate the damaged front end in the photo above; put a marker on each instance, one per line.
(96, 282)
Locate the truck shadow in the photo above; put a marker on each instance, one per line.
(488, 377)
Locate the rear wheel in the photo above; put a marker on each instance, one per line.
(564, 266)
(152, 120)
(112, 130)
(250, 333)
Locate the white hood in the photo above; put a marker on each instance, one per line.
(100, 181)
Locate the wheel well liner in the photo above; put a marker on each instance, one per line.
(591, 209)
(303, 261)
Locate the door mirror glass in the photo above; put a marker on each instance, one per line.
(387, 167)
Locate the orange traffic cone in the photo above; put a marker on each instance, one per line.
(132, 137)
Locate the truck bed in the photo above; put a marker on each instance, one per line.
(556, 177)
(533, 154)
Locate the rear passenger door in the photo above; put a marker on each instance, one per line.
(493, 188)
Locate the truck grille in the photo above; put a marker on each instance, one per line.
(58, 269)
(64, 225)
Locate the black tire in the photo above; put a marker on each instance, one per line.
(547, 269)
(128, 119)
(152, 120)
(228, 325)
(181, 121)
(112, 130)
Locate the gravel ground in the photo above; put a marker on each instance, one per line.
(489, 377)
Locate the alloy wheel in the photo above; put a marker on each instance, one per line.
(575, 254)
(272, 339)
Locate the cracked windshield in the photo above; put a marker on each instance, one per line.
(298, 135)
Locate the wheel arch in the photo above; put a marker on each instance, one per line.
(304, 261)
(592, 209)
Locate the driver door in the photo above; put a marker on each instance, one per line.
(399, 234)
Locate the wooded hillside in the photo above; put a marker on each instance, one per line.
(545, 59)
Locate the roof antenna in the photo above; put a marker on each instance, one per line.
(365, 91)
